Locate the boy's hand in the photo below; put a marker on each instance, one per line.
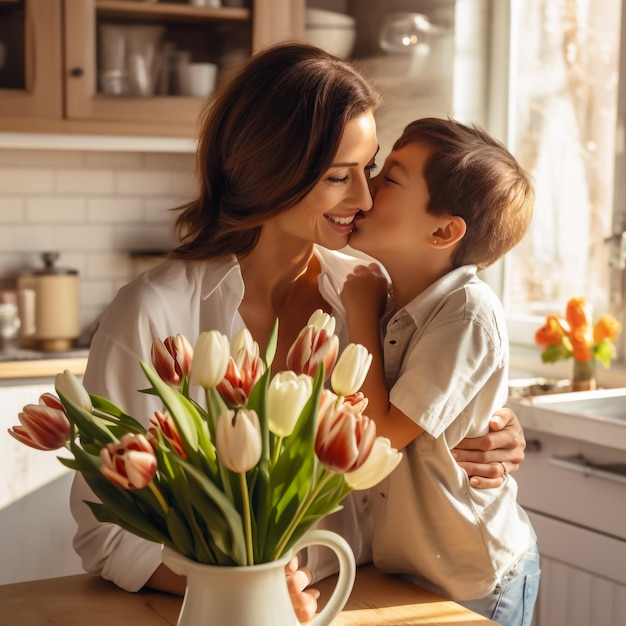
(365, 288)
(304, 600)
(488, 459)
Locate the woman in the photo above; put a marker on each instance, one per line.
(284, 161)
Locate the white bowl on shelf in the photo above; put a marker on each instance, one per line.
(331, 31)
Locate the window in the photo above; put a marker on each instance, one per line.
(564, 77)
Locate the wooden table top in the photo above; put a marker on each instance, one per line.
(377, 599)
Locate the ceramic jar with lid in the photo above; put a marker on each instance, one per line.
(49, 306)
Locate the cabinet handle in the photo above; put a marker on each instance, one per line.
(77, 72)
(533, 445)
(579, 463)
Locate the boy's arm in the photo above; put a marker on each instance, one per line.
(364, 296)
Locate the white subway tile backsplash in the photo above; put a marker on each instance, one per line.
(114, 160)
(92, 207)
(11, 209)
(169, 161)
(55, 209)
(109, 265)
(26, 181)
(142, 183)
(145, 237)
(85, 181)
(114, 209)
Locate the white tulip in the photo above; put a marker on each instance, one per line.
(243, 341)
(238, 439)
(350, 370)
(68, 386)
(210, 359)
(322, 321)
(383, 459)
(286, 396)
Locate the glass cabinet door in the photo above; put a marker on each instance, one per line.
(30, 61)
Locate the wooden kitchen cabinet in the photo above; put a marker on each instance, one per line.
(30, 66)
(61, 89)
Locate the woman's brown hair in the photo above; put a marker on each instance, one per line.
(267, 136)
(471, 174)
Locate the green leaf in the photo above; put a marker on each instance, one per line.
(225, 507)
(604, 353)
(272, 342)
(180, 534)
(552, 354)
(182, 411)
(91, 427)
(105, 515)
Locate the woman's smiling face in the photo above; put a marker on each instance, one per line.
(326, 215)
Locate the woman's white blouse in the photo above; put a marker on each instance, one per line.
(175, 297)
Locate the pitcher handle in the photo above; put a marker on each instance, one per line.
(347, 572)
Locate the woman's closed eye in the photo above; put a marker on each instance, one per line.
(369, 169)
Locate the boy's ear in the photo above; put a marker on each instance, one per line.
(450, 233)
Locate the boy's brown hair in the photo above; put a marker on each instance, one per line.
(474, 176)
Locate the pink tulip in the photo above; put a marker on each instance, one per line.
(165, 423)
(43, 427)
(172, 358)
(131, 463)
(315, 344)
(344, 435)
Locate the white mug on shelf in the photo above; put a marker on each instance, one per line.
(197, 79)
(214, 4)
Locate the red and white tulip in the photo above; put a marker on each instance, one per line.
(42, 427)
(344, 435)
(131, 463)
(316, 343)
(172, 358)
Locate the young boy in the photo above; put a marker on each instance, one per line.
(449, 201)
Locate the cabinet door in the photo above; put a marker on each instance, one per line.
(220, 36)
(30, 66)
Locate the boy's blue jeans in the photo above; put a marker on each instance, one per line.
(512, 602)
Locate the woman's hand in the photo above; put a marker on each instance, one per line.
(488, 459)
(304, 600)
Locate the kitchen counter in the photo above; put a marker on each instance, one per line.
(21, 363)
(84, 599)
(548, 415)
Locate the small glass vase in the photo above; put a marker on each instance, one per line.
(584, 375)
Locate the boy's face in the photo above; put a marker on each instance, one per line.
(398, 226)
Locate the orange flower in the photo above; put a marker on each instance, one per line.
(607, 327)
(577, 337)
(552, 333)
(578, 313)
(581, 345)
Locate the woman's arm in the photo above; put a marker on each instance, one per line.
(483, 457)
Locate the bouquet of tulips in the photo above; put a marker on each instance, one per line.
(576, 336)
(235, 479)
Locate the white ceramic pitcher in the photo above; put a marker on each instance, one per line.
(256, 595)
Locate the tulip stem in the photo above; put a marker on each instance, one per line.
(246, 517)
(159, 496)
(304, 507)
(278, 442)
